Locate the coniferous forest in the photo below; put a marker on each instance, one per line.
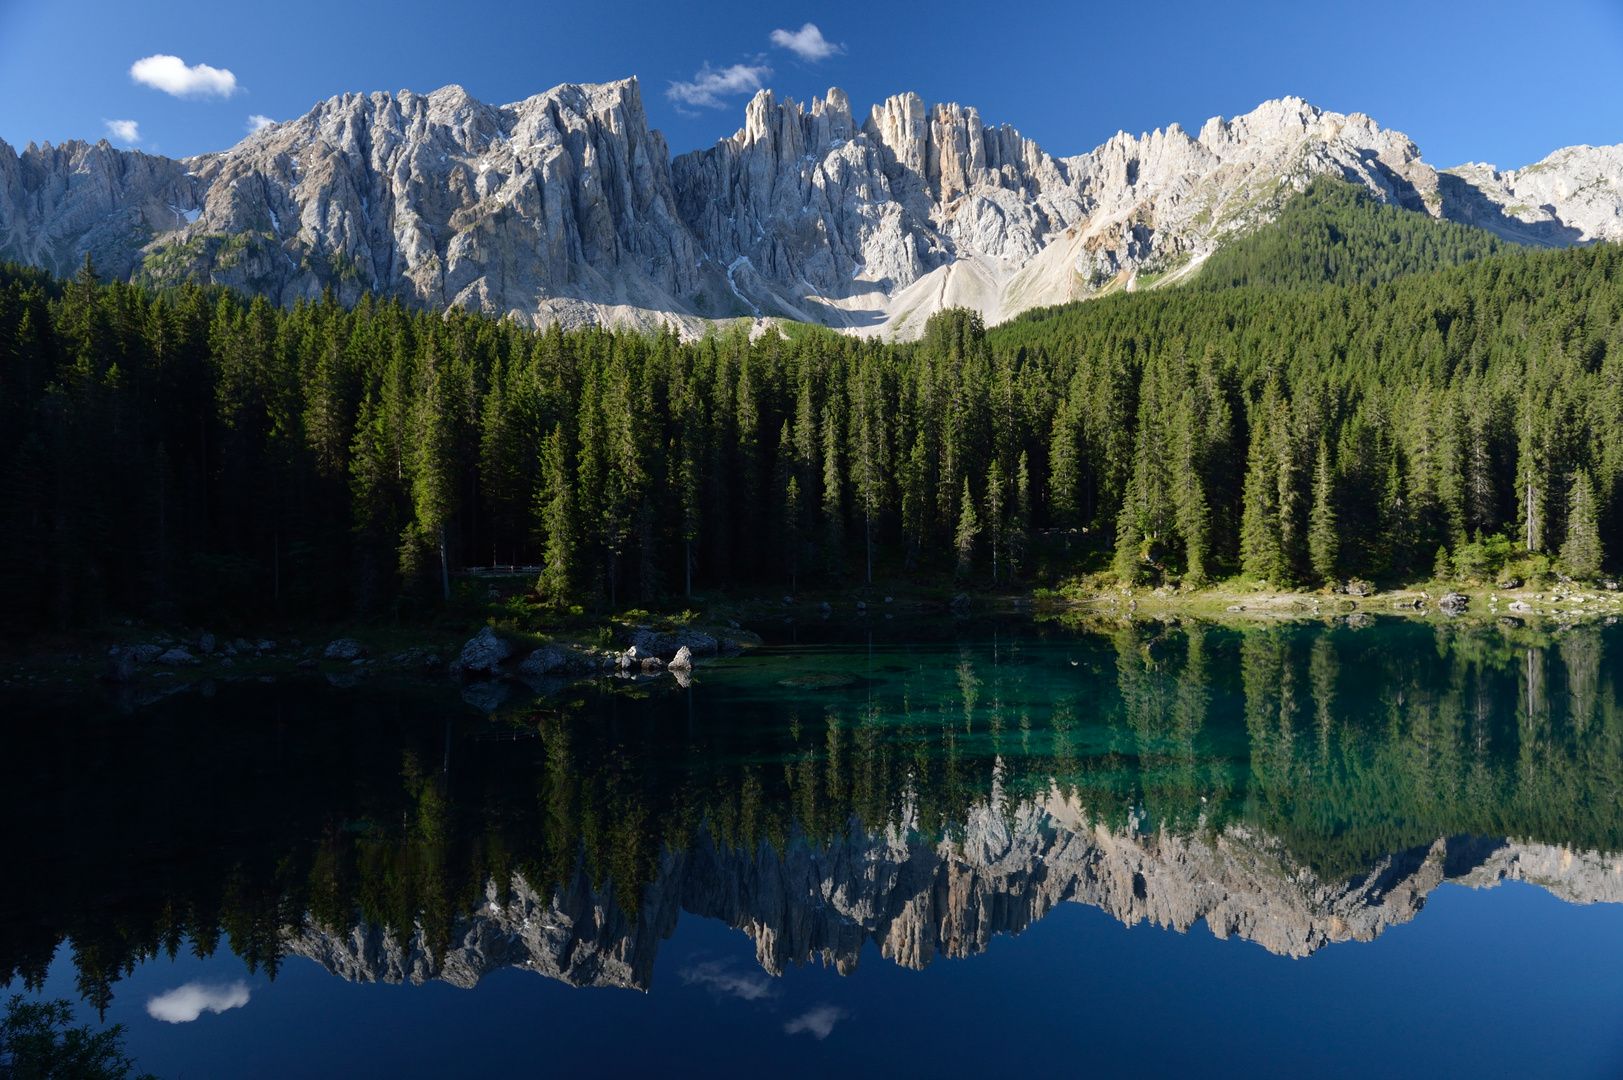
(1334, 410)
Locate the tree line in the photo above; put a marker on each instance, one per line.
(194, 450)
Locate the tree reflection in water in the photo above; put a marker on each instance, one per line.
(1295, 785)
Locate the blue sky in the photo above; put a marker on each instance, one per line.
(1485, 80)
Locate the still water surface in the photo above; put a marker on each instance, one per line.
(989, 847)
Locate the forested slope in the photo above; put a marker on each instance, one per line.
(1335, 233)
(191, 452)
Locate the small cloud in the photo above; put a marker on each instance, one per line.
(171, 75)
(807, 43)
(718, 977)
(710, 85)
(125, 131)
(186, 1003)
(258, 123)
(819, 1021)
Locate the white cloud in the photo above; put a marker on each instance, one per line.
(257, 122)
(186, 1003)
(717, 976)
(171, 75)
(819, 1021)
(807, 43)
(710, 85)
(125, 131)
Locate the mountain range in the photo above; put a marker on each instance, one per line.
(917, 901)
(568, 207)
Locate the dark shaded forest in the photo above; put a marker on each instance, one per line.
(192, 451)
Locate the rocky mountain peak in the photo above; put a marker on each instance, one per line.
(566, 206)
(918, 901)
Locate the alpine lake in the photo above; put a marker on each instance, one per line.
(997, 845)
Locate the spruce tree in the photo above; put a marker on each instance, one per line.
(1261, 553)
(556, 506)
(1189, 469)
(792, 533)
(1323, 541)
(833, 506)
(1442, 568)
(1065, 465)
(1395, 523)
(690, 491)
(964, 539)
(994, 514)
(1020, 524)
(1131, 539)
(434, 468)
(1581, 553)
(917, 501)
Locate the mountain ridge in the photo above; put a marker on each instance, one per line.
(568, 207)
(917, 901)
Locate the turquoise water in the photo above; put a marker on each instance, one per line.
(946, 845)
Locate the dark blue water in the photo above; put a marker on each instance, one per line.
(1507, 982)
(1397, 776)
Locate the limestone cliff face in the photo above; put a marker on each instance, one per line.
(567, 207)
(921, 208)
(59, 203)
(918, 901)
(1573, 196)
(556, 207)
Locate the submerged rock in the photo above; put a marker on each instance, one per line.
(487, 695)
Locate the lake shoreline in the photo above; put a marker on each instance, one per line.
(420, 653)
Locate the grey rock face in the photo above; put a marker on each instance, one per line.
(553, 208)
(483, 652)
(544, 661)
(920, 208)
(1573, 196)
(918, 901)
(120, 666)
(342, 649)
(566, 207)
(58, 204)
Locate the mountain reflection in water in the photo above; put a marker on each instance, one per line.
(1294, 786)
